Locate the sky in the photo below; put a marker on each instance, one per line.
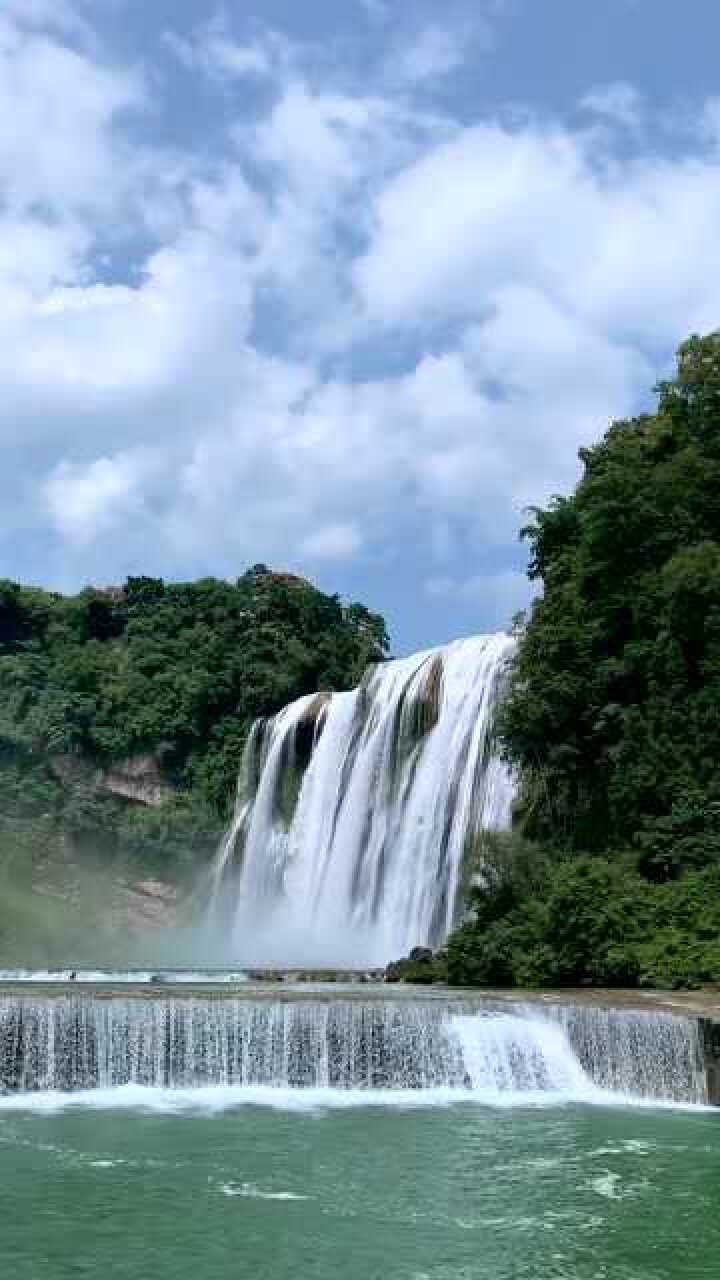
(339, 286)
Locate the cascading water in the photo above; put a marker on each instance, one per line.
(355, 810)
(83, 1041)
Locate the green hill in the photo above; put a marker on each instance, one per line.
(123, 710)
(613, 718)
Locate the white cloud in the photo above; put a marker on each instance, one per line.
(620, 103)
(435, 51)
(218, 56)
(332, 542)
(53, 15)
(710, 121)
(58, 109)
(87, 501)
(212, 49)
(35, 254)
(496, 207)
(314, 140)
(240, 60)
(357, 333)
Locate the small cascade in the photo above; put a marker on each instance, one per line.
(649, 1055)
(83, 1041)
(355, 812)
(510, 1053)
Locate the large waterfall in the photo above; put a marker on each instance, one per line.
(355, 812)
(86, 1041)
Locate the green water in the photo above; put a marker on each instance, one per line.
(359, 1193)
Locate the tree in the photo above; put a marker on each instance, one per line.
(176, 670)
(612, 719)
(614, 709)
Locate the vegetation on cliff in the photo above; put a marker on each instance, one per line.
(613, 717)
(149, 689)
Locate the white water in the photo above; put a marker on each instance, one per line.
(122, 977)
(354, 813)
(249, 1049)
(516, 1054)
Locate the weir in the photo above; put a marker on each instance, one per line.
(367, 1041)
(356, 813)
(710, 1032)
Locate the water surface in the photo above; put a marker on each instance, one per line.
(323, 1186)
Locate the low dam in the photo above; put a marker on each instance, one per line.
(710, 1030)
(75, 1037)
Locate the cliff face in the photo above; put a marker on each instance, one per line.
(138, 778)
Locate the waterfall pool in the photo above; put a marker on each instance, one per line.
(324, 1188)
(350, 1134)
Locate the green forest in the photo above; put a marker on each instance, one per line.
(612, 720)
(170, 674)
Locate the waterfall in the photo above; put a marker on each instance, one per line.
(355, 810)
(85, 1041)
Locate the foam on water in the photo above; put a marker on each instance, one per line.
(219, 1099)
(117, 977)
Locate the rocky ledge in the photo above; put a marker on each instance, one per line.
(136, 778)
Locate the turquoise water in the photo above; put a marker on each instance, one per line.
(323, 1188)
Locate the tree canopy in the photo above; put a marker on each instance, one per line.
(613, 714)
(614, 710)
(176, 670)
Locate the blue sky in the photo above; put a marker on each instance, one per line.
(341, 287)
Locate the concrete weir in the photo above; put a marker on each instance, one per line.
(711, 1055)
(175, 1030)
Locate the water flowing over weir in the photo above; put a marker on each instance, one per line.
(84, 1041)
(354, 812)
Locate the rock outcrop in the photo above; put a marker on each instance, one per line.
(136, 778)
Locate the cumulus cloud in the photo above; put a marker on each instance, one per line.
(332, 542)
(53, 15)
(211, 49)
(620, 103)
(355, 333)
(497, 206)
(58, 109)
(100, 497)
(434, 52)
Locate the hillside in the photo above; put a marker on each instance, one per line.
(613, 720)
(123, 712)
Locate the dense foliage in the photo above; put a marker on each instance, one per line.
(176, 671)
(613, 715)
(544, 919)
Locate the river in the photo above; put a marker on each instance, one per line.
(323, 1185)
